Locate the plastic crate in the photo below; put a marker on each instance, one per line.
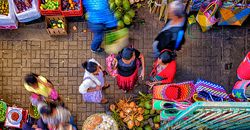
(56, 31)
(73, 12)
(50, 12)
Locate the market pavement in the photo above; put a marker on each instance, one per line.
(213, 56)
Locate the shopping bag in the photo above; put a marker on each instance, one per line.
(243, 71)
(241, 89)
(115, 41)
(234, 16)
(206, 15)
(196, 4)
(110, 66)
(30, 14)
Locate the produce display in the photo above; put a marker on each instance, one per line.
(159, 7)
(100, 122)
(132, 116)
(49, 5)
(56, 24)
(23, 5)
(4, 7)
(122, 11)
(3, 108)
(71, 5)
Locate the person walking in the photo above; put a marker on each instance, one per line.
(172, 34)
(100, 18)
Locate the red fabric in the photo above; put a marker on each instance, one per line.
(127, 83)
(168, 73)
(172, 92)
(243, 70)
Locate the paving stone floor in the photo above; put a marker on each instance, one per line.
(213, 56)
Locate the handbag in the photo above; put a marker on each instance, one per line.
(234, 15)
(109, 63)
(209, 90)
(243, 71)
(196, 4)
(206, 15)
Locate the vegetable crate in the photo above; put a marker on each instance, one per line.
(212, 115)
(50, 11)
(57, 30)
(70, 13)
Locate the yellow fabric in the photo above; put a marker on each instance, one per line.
(41, 90)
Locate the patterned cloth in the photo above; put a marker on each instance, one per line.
(174, 92)
(233, 16)
(211, 88)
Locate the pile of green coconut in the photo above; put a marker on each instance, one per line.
(122, 11)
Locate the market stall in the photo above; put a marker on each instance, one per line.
(7, 15)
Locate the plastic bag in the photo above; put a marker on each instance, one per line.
(9, 21)
(30, 14)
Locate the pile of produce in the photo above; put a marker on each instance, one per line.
(132, 116)
(4, 7)
(23, 5)
(56, 24)
(100, 122)
(3, 108)
(70, 5)
(122, 11)
(159, 8)
(49, 5)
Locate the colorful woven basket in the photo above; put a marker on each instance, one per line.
(240, 89)
(174, 92)
(211, 88)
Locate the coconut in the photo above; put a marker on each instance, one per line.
(112, 6)
(157, 126)
(127, 19)
(120, 24)
(139, 118)
(130, 124)
(137, 123)
(118, 2)
(126, 5)
(132, 104)
(122, 115)
(147, 105)
(112, 107)
(118, 14)
(131, 1)
(131, 13)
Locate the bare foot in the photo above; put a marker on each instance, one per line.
(104, 101)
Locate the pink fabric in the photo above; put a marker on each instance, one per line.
(243, 70)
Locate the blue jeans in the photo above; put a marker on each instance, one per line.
(98, 30)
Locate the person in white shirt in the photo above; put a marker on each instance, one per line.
(93, 82)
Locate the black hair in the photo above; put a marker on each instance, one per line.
(48, 109)
(127, 53)
(90, 66)
(167, 56)
(31, 79)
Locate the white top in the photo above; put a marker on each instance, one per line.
(92, 82)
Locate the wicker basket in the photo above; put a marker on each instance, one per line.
(90, 118)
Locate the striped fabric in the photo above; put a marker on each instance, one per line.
(213, 89)
(233, 16)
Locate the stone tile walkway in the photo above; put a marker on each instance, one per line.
(31, 49)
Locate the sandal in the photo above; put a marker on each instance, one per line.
(104, 101)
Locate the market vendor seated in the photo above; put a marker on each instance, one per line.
(164, 69)
(40, 87)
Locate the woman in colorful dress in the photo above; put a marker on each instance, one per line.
(41, 88)
(127, 63)
(93, 82)
(164, 69)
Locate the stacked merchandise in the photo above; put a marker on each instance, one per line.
(26, 11)
(7, 15)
